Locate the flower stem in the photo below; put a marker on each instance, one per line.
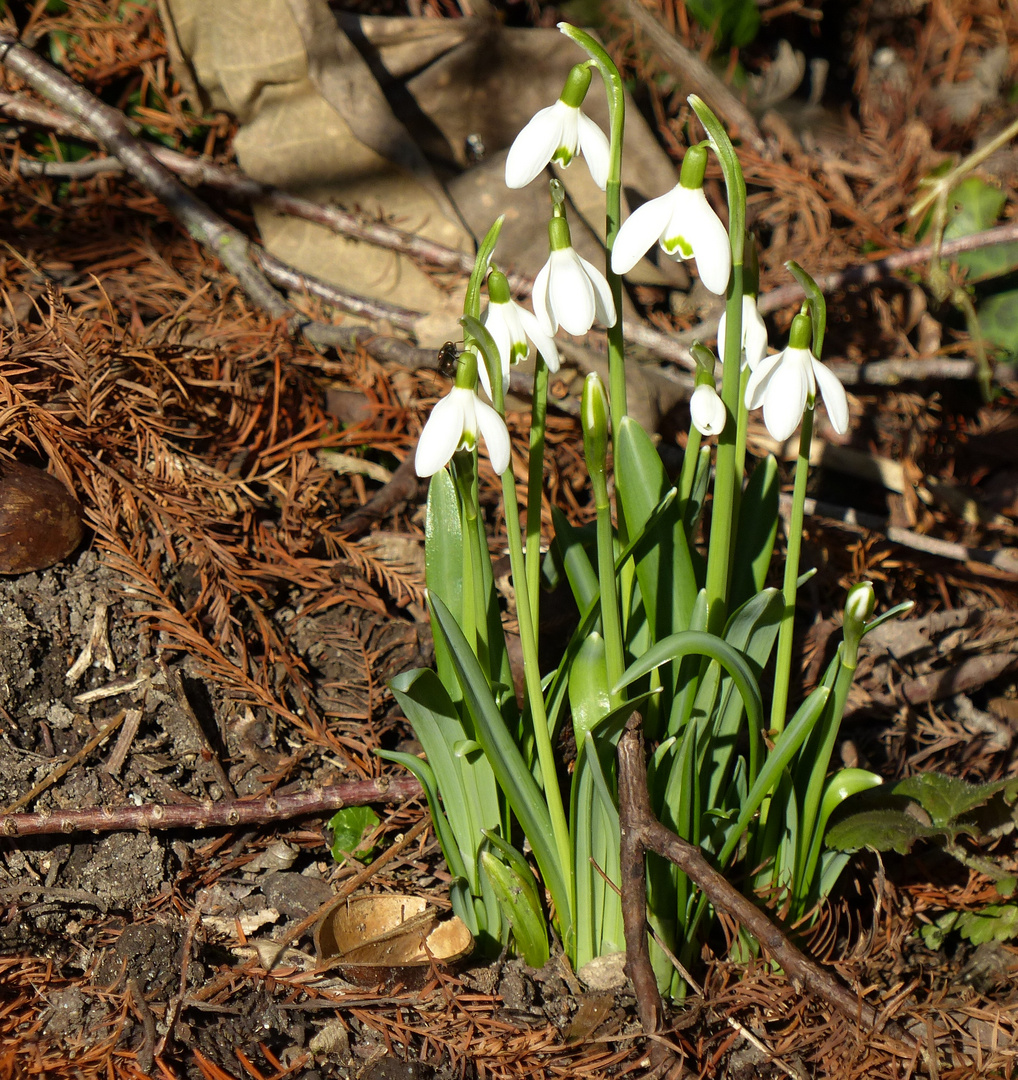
(535, 696)
(535, 488)
(613, 212)
(726, 480)
(783, 667)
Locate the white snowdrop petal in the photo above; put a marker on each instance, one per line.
(785, 399)
(543, 341)
(539, 297)
(495, 435)
(639, 232)
(595, 149)
(711, 249)
(707, 410)
(756, 388)
(835, 398)
(604, 303)
(570, 293)
(533, 148)
(754, 332)
(569, 132)
(441, 435)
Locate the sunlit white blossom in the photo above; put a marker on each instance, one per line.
(513, 328)
(754, 333)
(707, 410)
(684, 225)
(569, 291)
(559, 133)
(786, 382)
(454, 424)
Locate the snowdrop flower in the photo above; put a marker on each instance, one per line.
(684, 225)
(455, 422)
(513, 327)
(559, 133)
(754, 333)
(707, 410)
(786, 383)
(569, 291)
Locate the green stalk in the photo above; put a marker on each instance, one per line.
(783, 667)
(528, 637)
(535, 488)
(613, 211)
(535, 696)
(726, 481)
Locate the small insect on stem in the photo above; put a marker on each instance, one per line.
(448, 355)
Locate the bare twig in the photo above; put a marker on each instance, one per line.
(401, 488)
(173, 1013)
(209, 815)
(634, 906)
(51, 778)
(696, 75)
(110, 129)
(887, 265)
(1002, 559)
(285, 276)
(646, 833)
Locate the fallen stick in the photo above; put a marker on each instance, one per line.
(111, 131)
(642, 832)
(210, 815)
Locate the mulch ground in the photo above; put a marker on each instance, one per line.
(236, 616)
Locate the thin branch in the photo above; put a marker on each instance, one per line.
(696, 76)
(1002, 559)
(285, 276)
(401, 489)
(887, 265)
(209, 815)
(111, 130)
(646, 833)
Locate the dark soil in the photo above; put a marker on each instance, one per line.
(233, 637)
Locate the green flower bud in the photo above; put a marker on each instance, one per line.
(800, 336)
(859, 605)
(577, 84)
(694, 167)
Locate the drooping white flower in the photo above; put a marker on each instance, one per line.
(569, 291)
(513, 328)
(454, 425)
(707, 410)
(785, 383)
(754, 333)
(684, 225)
(559, 133)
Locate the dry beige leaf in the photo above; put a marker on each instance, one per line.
(366, 935)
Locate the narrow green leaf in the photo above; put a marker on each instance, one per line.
(758, 526)
(579, 570)
(664, 569)
(455, 856)
(526, 919)
(507, 764)
(692, 642)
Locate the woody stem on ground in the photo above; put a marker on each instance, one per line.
(111, 131)
(208, 815)
(642, 832)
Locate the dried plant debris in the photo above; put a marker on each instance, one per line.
(249, 576)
